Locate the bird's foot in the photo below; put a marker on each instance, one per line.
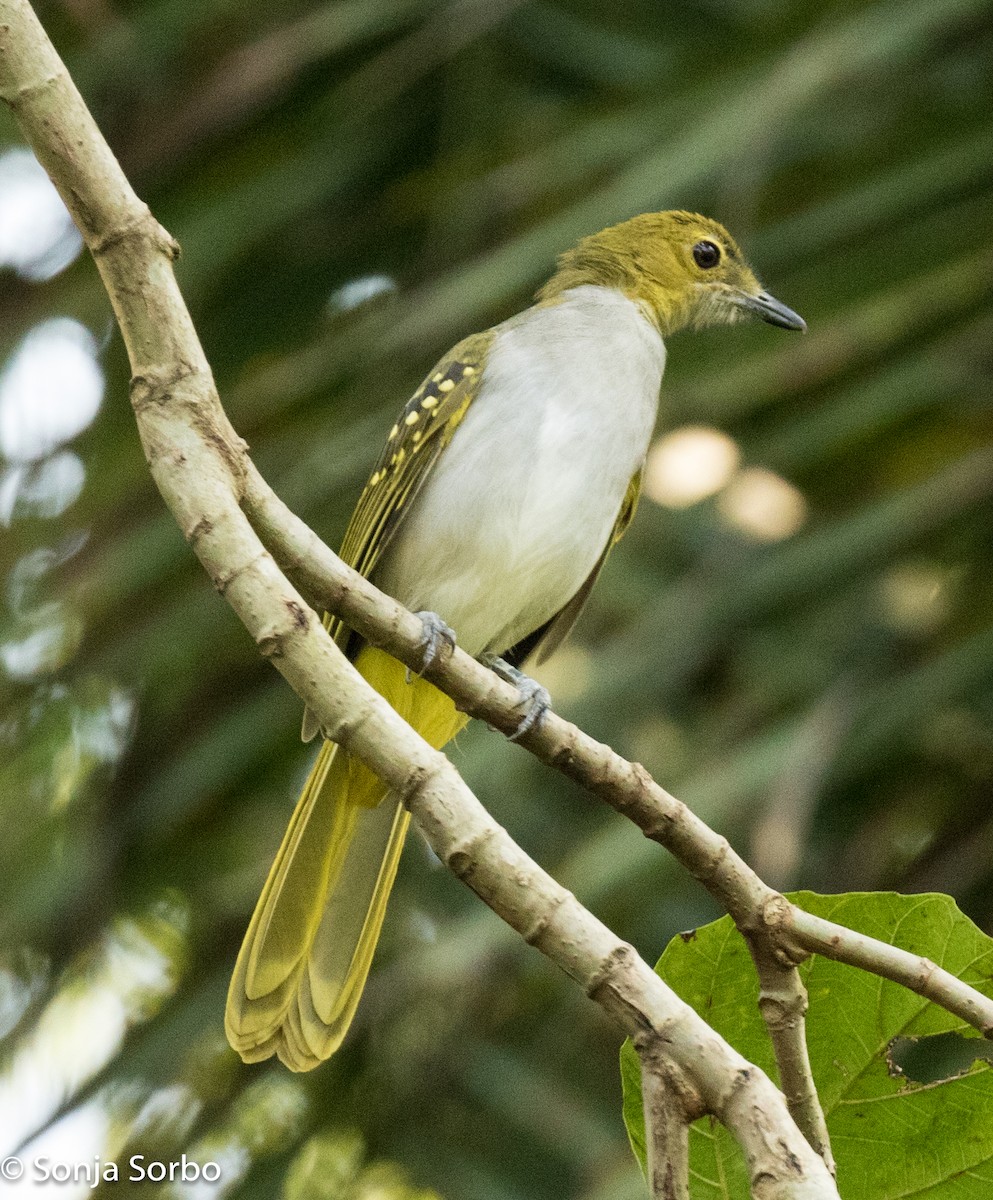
(435, 636)
(534, 699)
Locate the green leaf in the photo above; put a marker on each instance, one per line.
(892, 1138)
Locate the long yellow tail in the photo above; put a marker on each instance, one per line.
(306, 955)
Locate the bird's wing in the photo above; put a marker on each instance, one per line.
(421, 433)
(546, 640)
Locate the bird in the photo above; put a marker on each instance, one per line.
(506, 480)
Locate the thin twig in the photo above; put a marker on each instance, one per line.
(783, 1005)
(668, 1112)
(626, 786)
(202, 470)
(918, 974)
(779, 935)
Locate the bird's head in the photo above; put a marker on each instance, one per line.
(686, 271)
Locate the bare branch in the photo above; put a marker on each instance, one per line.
(203, 472)
(779, 934)
(919, 975)
(669, 1109)
(783, 1005)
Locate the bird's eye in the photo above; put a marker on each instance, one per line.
(706, 255)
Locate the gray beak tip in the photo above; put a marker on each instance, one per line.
(774, 312)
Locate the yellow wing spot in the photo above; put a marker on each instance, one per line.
(468, 370)
(412, 418)
(456, 417)
(416, 435)
(394, 431)
(446, 385)
(376, 478)
(398, 458)
(430, 402)
(437, 378)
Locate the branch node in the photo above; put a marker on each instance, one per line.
(272, 640)
(642, 777)
(225, 579)
(928, 970)
(564, 754)
(775, 926)
(155, 386)
(141, 225)
(655, 1054)
(199, 530)
(740, 1081)
(781, 1011)
(21, 94)
(465, 852)
(270, 643)
(616, 961)
(533, 933)
(421, 778)
(298, 613)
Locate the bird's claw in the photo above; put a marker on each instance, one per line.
(435, 636)
(534, 698)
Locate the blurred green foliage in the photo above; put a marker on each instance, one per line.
(823, 697)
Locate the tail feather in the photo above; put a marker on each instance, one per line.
(350, 924)
(310, 943)
(283, 917)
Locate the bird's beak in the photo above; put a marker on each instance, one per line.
(770, 309)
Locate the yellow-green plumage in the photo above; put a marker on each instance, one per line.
(308, 949)
(503, 485)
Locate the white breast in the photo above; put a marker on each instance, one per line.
(519, 507)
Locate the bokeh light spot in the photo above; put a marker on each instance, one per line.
(360, 291)
(763, 505)
(688, 465)
(37, 236)
(916, 597)
(44, 489)
(50, 390)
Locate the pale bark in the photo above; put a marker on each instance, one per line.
(203, 472)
